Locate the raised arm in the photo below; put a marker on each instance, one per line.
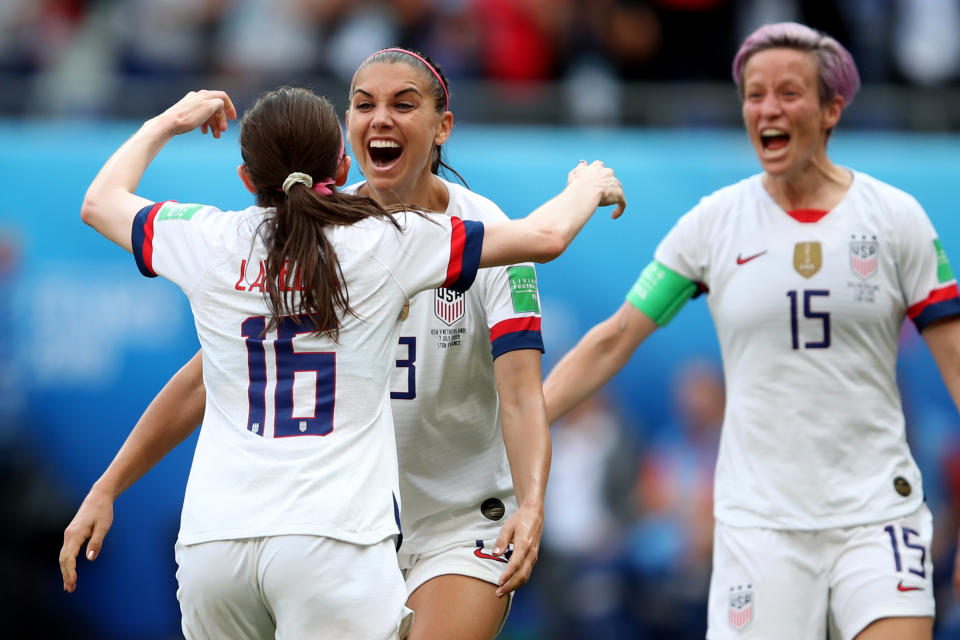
(111, 203)
(546, 232)
(168, 420)
(599, 355)
(526, 436)
(943, 340)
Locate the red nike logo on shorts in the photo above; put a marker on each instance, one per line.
(749, 258)
(900, 587)
(480, 554)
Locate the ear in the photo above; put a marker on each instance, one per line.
(343, 170)
(444, 128)
(831, 112)
(245, 178)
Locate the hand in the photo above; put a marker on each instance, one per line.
(523, 529)
(603, 178)
(204, 109)
(92, 521)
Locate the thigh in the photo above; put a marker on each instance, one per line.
(766, 584)
(884, 571)
(452, 593)
(324, 588)
(218, 591)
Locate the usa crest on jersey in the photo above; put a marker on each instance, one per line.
(448, 305)
(741, 606)
(863, 256)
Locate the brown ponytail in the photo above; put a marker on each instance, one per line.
(292, 130)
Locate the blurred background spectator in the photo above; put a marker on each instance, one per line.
(581, 579)
(672, 537)
(511, 60)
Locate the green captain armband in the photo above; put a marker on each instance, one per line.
(660, 293)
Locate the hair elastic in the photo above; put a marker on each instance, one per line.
(436, 74)
(322, 187)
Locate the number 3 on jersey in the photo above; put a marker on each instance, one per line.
(408, 363)
(318, 366)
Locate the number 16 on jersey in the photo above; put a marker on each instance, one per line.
(298, 410)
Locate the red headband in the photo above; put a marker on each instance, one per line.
(436, 74)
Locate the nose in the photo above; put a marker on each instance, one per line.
(770, 105)
(381, 117)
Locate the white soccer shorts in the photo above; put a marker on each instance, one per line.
(475, 560)
(290, 587)
(790, 585)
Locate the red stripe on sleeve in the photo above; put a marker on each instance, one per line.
(937, 295)
(148, 237)
(531, 323)
(458, 238)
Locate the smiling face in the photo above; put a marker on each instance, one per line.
(782, 110)
(393, 127)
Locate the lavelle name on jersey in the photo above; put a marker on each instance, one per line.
(261, 284)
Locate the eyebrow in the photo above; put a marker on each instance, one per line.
(396, 95)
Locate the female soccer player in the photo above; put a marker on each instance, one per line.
(810, 270)
(290, 510)
(458, 481)
(459, 484)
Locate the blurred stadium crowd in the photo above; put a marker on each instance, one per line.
(628, 531)
(555, 61)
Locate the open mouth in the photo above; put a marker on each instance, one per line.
(384, 153)
(774, 139)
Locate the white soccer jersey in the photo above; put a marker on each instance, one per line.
(808, 307)
(297, 436)
(445, 403)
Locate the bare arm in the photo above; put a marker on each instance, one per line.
(943, 340)
(547, 231)
(169, 419)
(111, 203)
(599, 355)
(526, 436)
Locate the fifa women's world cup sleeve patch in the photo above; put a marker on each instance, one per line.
(943, 300)
(660, 293)
(511, 303)
(175, 241)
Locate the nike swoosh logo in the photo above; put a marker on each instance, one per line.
(748, 258)
(486, 556)
(900, 587)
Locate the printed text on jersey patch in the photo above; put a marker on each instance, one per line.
(174, 211)
(523, 289)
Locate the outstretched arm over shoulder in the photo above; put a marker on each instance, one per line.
(111, 203)
(168, 420)
(599, 355)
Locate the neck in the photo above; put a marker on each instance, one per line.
(428, 194)
(821, 185)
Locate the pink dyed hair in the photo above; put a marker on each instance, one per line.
(836, 71)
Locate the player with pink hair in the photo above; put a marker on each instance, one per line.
(810, 270)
